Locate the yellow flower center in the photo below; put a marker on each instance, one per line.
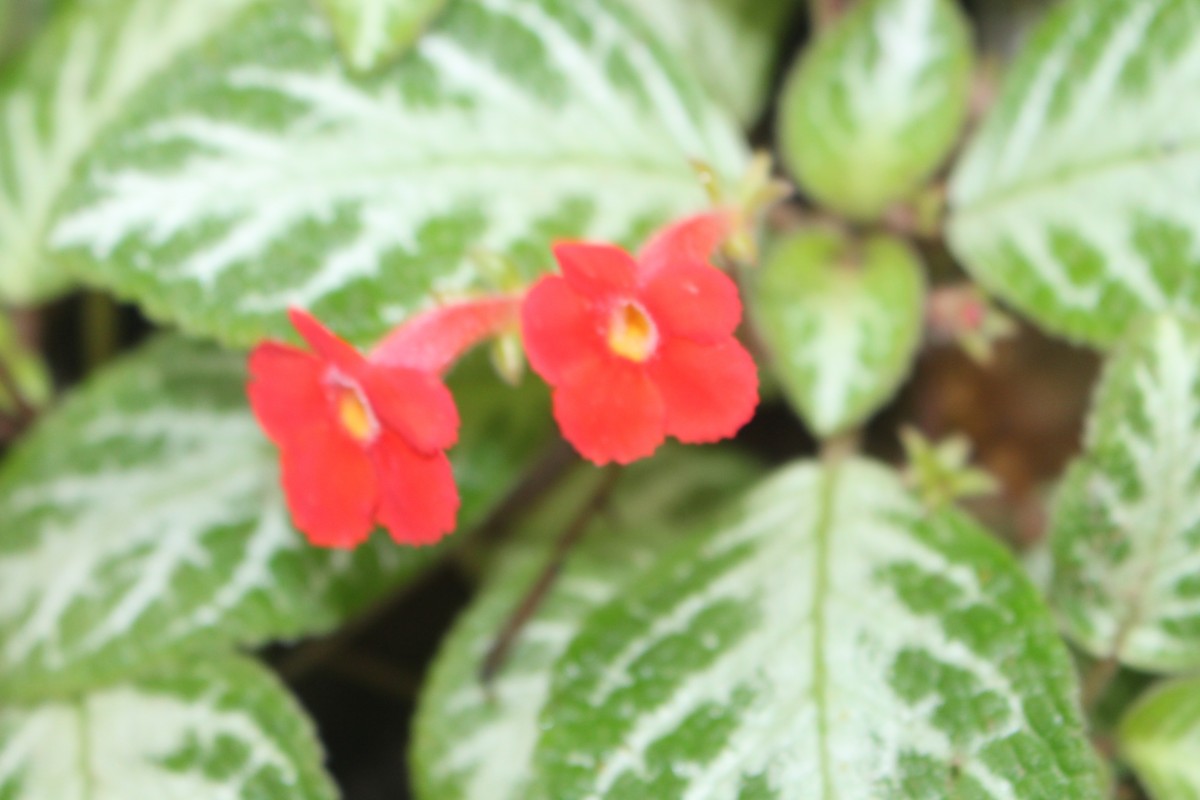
(631, 333)
(354, 415)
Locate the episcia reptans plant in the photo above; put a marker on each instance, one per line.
(479, 325)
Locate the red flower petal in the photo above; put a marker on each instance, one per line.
(693, 299)
(610, 411)
(418, 499)
(326, 343)
(432, 340)
(709, 390)
(416, 405)
(689, 240)
(286, 391)
(331, 488)
(597, 271)
(559, 330)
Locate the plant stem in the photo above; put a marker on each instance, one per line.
(1096, 680)
(24, 411)
(552, 465)
(497, 654)
(840, 447)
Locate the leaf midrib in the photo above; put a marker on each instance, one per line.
(61, 152)
(86, 760)
(1186, 150)
(1157, 544)
(820, 687)
(197, 484)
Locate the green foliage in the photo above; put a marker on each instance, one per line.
(31, 380)
(1160, 737)
(79, 77)
(940, 473)
(1075, 202)
(876, 104)
(832, 631)
(1126, 533)
(220, 727)
(843, 320)
(826, 637)
(143, 519)
(255, 173)
(374, 32)
(476, 741)
(731, 45)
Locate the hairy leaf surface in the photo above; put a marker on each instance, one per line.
(827, 639)
(218, 728)
(475, 742)
(256, 173)
(372, 32)
(842, 320)
(1126, 525)
(876, 103)
(1076, 201)
(144, 518)
(731, 45)
(1160, 737)
(79, 77)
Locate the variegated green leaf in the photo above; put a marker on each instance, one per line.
(217, 728)
(476, 743)
(731, 45)
(877, 103)
(1075, 201)
(827, 639)
(1160, 737)
(256, 174)
(842, 320)
(144, 518)
(78, 78)
(1126, 527)
(374, 32)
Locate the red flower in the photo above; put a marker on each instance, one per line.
(639, 350)
(360, 441)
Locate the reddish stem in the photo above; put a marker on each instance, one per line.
(497, 654)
